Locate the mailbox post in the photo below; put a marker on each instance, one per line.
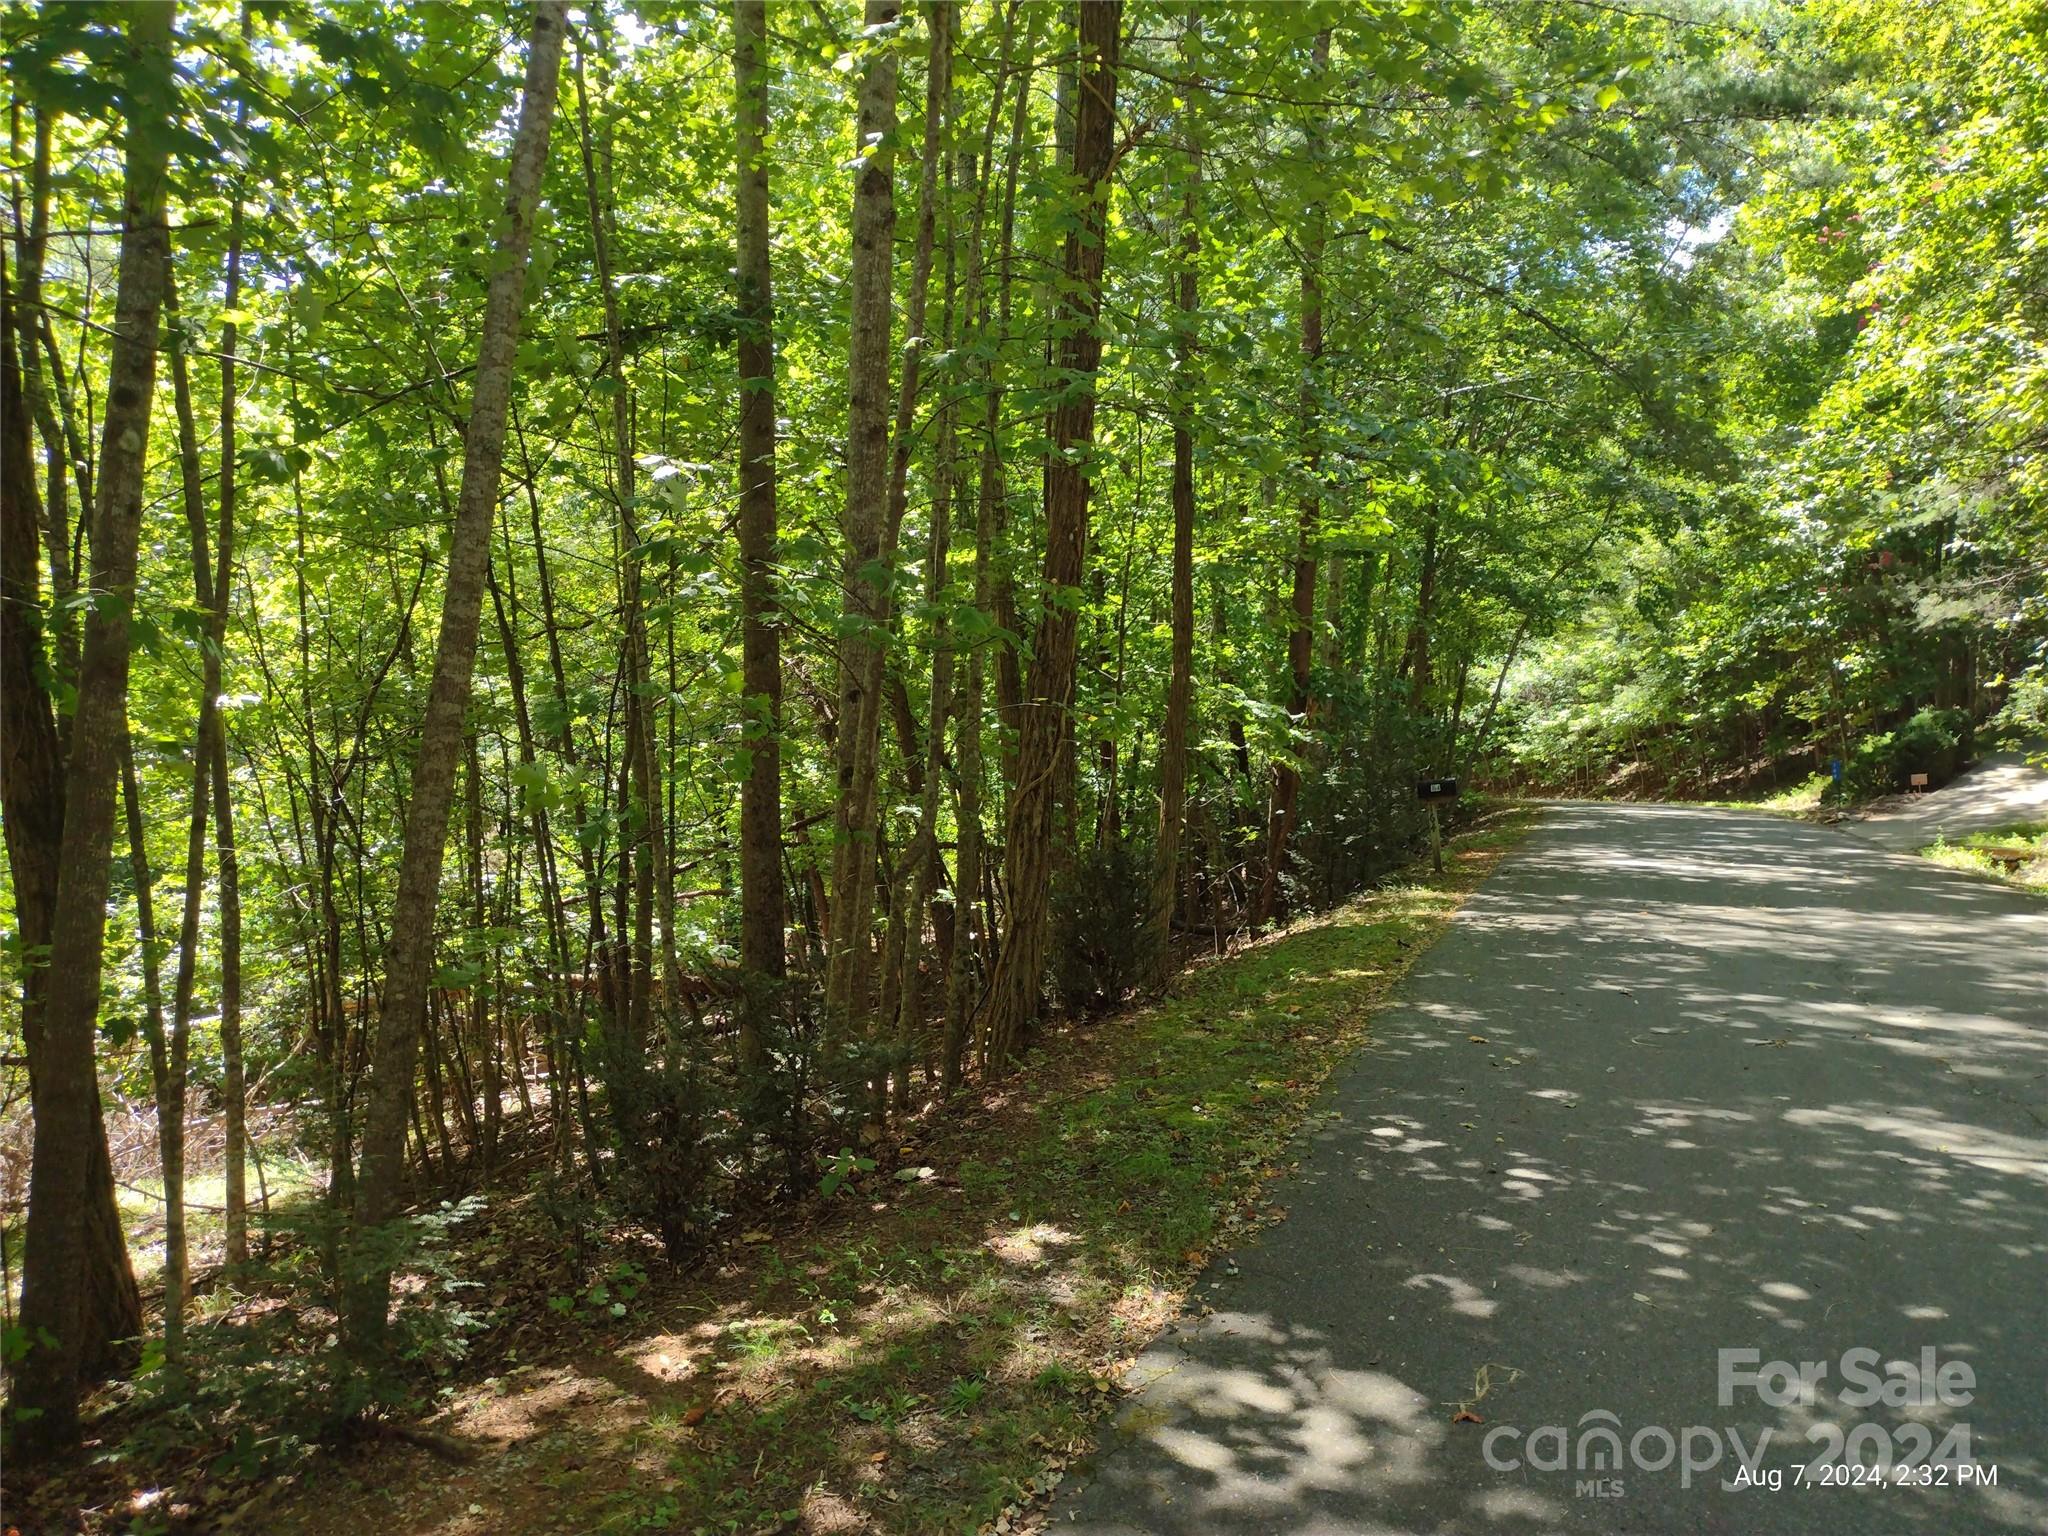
(1430, 792)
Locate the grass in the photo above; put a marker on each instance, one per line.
(1969, 852)
(917, 1353)
(1801, 801)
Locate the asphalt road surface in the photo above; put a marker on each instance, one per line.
(2000, 791)
(1674, 1083)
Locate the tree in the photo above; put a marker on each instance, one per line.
(57, 1257)
(409, 963)
(1539, 392)
(761, 902)
(862, 630)
(1013, 1002)
(1173, 741)
(32, 813)
(1302, 606)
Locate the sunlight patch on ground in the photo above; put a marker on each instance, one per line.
(1029, 1244)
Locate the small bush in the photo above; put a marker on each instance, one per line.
(666, 1153)
(1102, 940)
(1933, 741)
(263, 1385)
(782, 1103)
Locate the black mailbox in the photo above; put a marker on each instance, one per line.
(1436, 789)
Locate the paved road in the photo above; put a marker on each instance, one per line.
(2000, 791)
(1745, 1083)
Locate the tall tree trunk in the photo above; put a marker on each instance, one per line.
(234, 1085)
(171, 1087)
(1335, 649)
(484, 1080)
(761, 899)
(234, 1089)
(410, 958)
(1415, 661)
(166, 1065)
(1302, 608)
(56, 1261)
(32, 820)
(565, 745)
(1366, 656)
(552, 906)
(57, 438)
(1173, 744)
(1499, 683)
(1457, 709)
(922, 857)
(967, 865)
(1013, 1002)
(645, 844)
(1002, 582)
(865, 620)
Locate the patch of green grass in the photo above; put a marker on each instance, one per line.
(1801, 801)
(2021, 834)
(1993, 852)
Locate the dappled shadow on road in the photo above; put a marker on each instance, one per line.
(1676, 1082)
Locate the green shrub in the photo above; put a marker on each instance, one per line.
(262, 1385)
(1102, 939)
(1935, 742)
(662, 1118)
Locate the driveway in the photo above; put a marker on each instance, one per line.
(1999, 791)
(1675, 1083)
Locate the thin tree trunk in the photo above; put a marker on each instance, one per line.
(1002, 583)
(1013, 1002)
(234, 1092)
(56, 1257)
(411, 954)
(486, 1081)
(923, 854)
(565, 744)
(171, 1090)
(552, 907)
(1301, 622)
(967, 865)
(761, 900)
(1335, 649)
(646, 845)
(865, 525)
(166, 1068)
(1173, 744)
(1415, 662)
(1457, 709)
(57, 438)
(1500, 682)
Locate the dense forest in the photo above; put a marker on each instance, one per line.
(630, 601)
